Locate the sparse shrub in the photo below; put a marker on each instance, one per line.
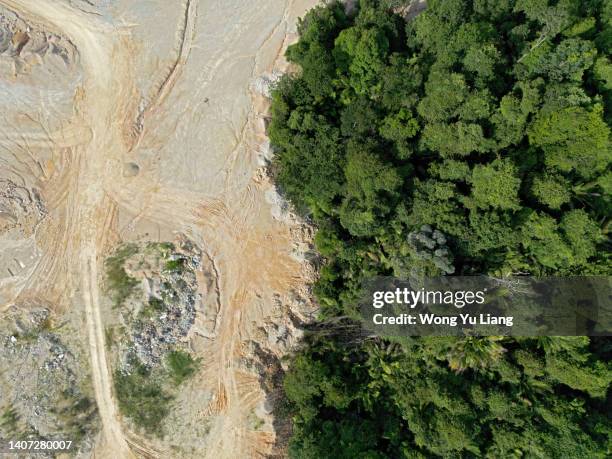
(9, 420)
(109, 334)
(176, 265)
(166, 246)
(31, 334)
(120, 283)
(153, 307)
(77, 413)
(142, 398)
(181, 366)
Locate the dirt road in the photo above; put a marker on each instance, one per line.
(101, 103)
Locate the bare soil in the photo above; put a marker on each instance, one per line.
(140, 121)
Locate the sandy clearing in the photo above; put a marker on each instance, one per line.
(195, 139)
(67, 137)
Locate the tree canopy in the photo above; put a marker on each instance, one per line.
(486, 122)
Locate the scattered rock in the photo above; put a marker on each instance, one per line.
(27, 46)
(20, 208)
(263, 85)
(45, 394)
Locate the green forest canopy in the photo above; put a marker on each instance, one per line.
(486, 122)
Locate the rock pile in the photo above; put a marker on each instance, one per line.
(163, 312)
(25, 46)
(43, 394)
(20, 208)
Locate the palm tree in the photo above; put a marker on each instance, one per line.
(570, 344)
(475, 352)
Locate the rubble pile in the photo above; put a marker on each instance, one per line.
(44, 394)
(161, 313)
(20, 208)
(25, 46)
